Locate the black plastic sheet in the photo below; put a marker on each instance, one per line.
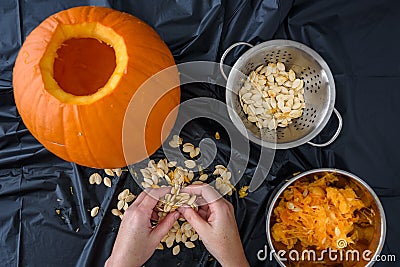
(359, 39)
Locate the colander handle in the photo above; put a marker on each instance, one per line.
(339, 129)
(221, 62)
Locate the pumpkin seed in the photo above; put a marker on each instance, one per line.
(175, 142)
(296, 83)
(190, 164)
(176, 250)
(190, 175)
(109, 172)
(195, 152)
(94, 211)
(189, 244)
(183, 238)
(191, 200)
(107, 182)
(292, 75)
(95, 178)
(187, 147)
(149, 181)
(118, 172)
(178, 236)
(280, 66)
(92, 179)
(145, 185)
(203, 177)
(120, 204)
(172, 164)
(116, 212)
(146, 173)
(123, 194)
(170, 241)
(194, 237)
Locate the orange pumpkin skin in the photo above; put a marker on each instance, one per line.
(87, 128)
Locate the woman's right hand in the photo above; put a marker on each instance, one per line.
(216, 225)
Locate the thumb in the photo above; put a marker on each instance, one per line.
(165, 225)
(195, 220)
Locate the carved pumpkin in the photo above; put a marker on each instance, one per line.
(75, 76)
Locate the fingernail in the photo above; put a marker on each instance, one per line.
(176, 216)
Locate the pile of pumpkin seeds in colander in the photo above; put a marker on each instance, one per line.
(272, 97)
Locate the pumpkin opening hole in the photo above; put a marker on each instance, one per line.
(83, 65)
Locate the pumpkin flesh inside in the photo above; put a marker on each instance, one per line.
(83, 65)
(83, 62)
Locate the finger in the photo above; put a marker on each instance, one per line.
(204, 208)
(207, 192)
(201, 201)
(147, 200)
(156, 193)
(154, 216)
(195, 220)
(203, 214)
(139, 199)
(150, 197)
(164, 226)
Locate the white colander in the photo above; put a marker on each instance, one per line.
(319, 93)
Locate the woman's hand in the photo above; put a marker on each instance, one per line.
(216, 225)
(137, 240)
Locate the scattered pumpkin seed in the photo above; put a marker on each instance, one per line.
(94, 211)
(190, 164)
(120, 204)
(109, 172)
(116, 212)
(107, 182)
(189, 244)
(203, 177)
(118, 172)
(96, 178)
(130, 198)
(176, 250)
(194, 237)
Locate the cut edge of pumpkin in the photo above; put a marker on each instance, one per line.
(94, 30)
